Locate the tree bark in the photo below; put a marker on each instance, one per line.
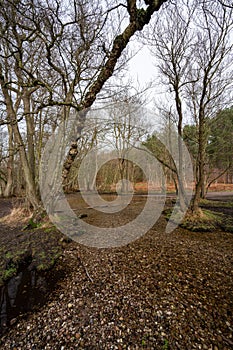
(31, 193)
(8, 191)
(30, 131)
(200, 162)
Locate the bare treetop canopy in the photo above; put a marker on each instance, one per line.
(59, 53)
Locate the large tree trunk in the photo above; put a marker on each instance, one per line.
(200, 163)
(30, 132)
(181, 190)
(8, 191)
(31, 193)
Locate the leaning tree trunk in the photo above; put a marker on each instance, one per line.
(138, 19)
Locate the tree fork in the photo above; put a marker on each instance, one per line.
(137, 23)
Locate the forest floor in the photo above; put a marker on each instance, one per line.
(162, 291)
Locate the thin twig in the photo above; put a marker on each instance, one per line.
(86, 271)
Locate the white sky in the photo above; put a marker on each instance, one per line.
(143, 71)
(141, 66)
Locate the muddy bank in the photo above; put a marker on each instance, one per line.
(28, 271)
(25, 292)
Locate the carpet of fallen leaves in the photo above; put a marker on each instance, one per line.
(163, 291)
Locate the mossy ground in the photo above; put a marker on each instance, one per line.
(211, 216)
(24, 242)
(37, 248)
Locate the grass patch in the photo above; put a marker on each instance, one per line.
(204, 221)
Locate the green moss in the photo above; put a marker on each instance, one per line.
(227, 224)
(31, 225)
(141, 16)
(49, 229)
(207, 221)
(215, 204)
(143, 342)
(176, 214)
(37, 247)
(9, 255)
(46, 259)
(42, 267)
(166, 345)
(10, 272)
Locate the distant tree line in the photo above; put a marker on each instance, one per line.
(62, 57)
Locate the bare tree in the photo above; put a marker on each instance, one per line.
(53, 54)
(173, 50)
(226, 3)
(211, 78)
(138, 18)
(194, 57)
(127, 128)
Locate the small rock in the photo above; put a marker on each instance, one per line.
(70, 305)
